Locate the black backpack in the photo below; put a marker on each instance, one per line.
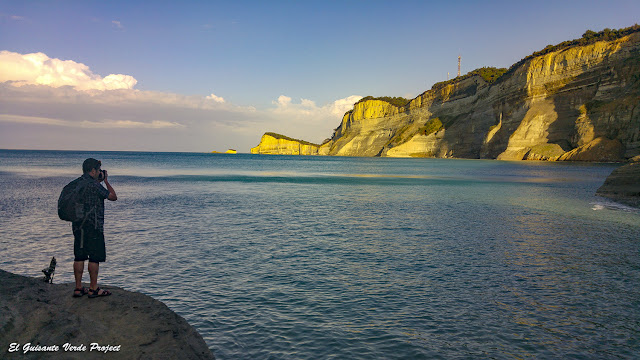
(71, 201)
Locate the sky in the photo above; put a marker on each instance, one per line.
(199, 76)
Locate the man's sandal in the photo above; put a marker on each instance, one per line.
(98, 292)
(80, 292)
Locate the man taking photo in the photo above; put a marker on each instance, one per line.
(89, 233)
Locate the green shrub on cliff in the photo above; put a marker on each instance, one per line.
(284, 137)
(489, 74)
(395, 101)
(431, 126)
(589, 37)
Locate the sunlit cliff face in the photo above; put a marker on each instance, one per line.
(546, 109)
(272, 145)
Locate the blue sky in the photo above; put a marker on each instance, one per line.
(287, 66)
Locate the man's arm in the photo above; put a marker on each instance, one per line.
(112, 193)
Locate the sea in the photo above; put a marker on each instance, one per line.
(301, 257)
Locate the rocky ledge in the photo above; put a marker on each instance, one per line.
(48, 322)
(623, 185)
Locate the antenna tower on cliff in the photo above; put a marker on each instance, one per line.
(458, 65)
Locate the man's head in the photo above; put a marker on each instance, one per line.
(91, 166)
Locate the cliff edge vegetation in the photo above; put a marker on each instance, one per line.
(273, 143)
(395, 101)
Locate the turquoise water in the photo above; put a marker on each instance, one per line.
(278, 257)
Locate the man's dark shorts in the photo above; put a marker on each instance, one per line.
(89, 244)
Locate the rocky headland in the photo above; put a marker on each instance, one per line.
(126, 325)
(623, 185)
(575, 101)
(277, 144)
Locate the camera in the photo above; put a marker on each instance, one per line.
(101, 175)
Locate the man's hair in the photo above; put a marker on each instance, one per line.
(91, 164)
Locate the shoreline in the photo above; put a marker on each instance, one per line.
(38, 319)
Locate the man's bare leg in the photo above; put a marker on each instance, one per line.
(94, 267)
(78, 269)
(93, 275)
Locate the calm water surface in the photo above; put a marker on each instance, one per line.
(277, 257)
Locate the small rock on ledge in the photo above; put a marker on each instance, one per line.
(134, 325)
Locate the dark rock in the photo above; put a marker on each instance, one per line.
(140, 327)
(623, 185)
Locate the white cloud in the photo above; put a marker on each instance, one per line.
(106, 124)
(341, 106)
(117, 24)
(45, 117)
(215, 98)
(52, 103)
(118, 81)
(282, 102)
(39, 69)
(307, 103)
(308, 107)
(32, 120)
(12, 17)
(128, 124)
(306, 120)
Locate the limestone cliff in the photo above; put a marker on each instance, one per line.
(364, 130)
(276, 144)
(577, 102)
